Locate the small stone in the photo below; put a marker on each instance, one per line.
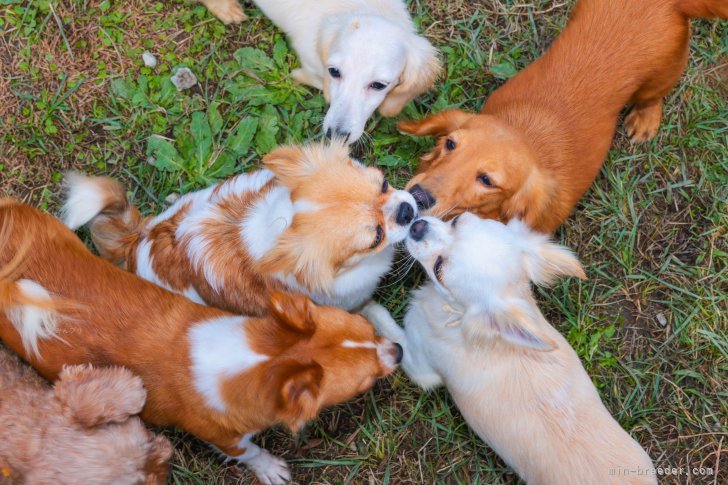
(661, 319)
(171, 198)
(149, 59)
(184, 78)
(151, 160)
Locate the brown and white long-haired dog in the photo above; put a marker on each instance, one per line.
(313, 220)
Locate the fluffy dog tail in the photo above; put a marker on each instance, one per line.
(115, 224)
(28, 306)
(704, 8)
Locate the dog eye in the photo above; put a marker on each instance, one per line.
(437, 270)
(450, 144)
(385, 187)
(334, 73)
(455, 220)
(378, 239)
(377, 86)
(485, 180)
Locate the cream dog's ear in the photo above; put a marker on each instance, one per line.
(421, 70)
(544, 260)
(514, 321)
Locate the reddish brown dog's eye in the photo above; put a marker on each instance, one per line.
(380, 236)
(450, 144)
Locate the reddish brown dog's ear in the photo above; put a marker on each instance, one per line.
(293, 310)
(300, 389)
(439, 124)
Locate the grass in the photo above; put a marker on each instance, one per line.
(649, 324)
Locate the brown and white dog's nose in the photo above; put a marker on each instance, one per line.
(418, 230)
(405, 214)
(424, 199)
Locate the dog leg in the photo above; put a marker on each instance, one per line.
(229, 11)
(643, 121)
(414, 360)
(269, 469)
(383, 322)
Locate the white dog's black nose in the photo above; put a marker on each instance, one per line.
(344, 135)
(418, 230)
(405, 214)
(424, 199)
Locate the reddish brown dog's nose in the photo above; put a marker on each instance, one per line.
(424, 199)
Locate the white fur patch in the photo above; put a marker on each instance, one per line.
(219, 350)
(84, 200)
(350, 344)
(32, 322)
(266, 221)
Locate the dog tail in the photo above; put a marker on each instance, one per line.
(115, 224)
(704, 8)
(28, 305)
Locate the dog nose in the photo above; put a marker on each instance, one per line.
(405, 214)
(418, 230)
(424, 199)
(399, 353)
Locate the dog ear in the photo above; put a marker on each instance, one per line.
(513, 321)
(293, 310)
(292, 254)
(544, 260)
(92, 396)
(421, 70)
(298, 399)
(288, 163)
(533, 199)
(438, 124)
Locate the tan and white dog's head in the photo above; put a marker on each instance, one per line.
(486, 268)
(345, 212)
(371, 63)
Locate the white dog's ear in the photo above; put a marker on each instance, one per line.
(514, 321)
(420, 72)
(544, 260)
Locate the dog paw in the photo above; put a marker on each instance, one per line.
(643, 121)
(270, 469)
(229, 11)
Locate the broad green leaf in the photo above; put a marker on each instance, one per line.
(202, 136)
(254, 60)
(239, 142)
(213, 115)
(265, 139)
(165, 154)
(279, 53)
(503, 70)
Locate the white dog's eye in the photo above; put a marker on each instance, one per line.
(455, 220)
(377, 86)
(334, 73)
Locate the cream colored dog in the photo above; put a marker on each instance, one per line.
(364, 54)
(476, 328)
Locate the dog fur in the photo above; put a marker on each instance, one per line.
(541, 138)
(308, 222)
(476, 328)
(82, 430)
(220, 376)
(367, 41)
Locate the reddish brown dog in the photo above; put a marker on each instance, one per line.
(542, 137)
(220, 376)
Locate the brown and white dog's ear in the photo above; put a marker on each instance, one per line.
(293, 310)
(545, 260)
(421, 70)
(288, 163)
(298, 400)
(512, 321)
(438, 124)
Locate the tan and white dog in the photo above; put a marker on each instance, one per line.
(364, 54)
(313, 221)
(220, 376)
(476, 328)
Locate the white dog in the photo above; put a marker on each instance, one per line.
(476, 328)
(364, 54)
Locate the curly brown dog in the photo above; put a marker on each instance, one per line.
(541, 138)
(83, 430)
